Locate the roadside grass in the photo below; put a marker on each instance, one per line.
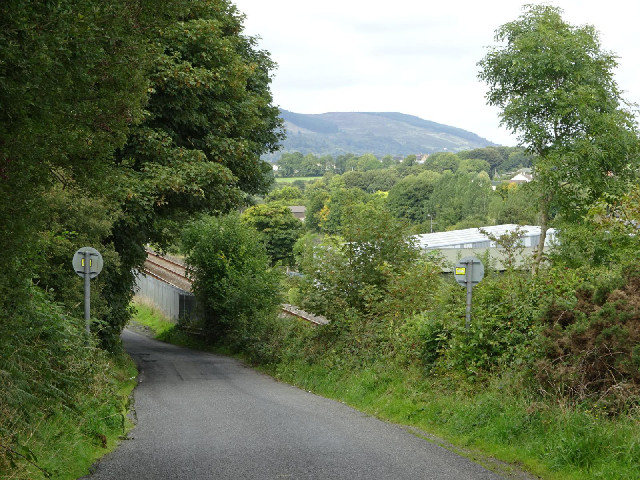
(161, 328)
(496, 421)
(101, 431)
(65, 445)
(63, 400)
(151, 317)
(497, 424)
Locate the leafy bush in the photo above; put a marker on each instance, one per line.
(279, 229)
(593, 245)
(356, 270)
(232, 277)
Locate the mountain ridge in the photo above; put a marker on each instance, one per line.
(380, 133)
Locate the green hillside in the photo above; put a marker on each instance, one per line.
(379, 133)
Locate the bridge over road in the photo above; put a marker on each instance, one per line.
(203, 416)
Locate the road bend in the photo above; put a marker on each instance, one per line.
(204, 416)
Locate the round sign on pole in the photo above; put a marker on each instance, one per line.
(469, 269)
(95, 262)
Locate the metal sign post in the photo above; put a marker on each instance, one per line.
(87, 289)
(87, 262)
(469, 272)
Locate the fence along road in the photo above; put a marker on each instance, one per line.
(203, 416)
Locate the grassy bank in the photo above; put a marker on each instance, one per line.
(64, 444)
(498, 421)
(63, 403)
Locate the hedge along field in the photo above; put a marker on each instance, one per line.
(294, 179)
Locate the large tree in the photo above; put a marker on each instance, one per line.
(73, 79)
(555, 86)
(139, 113)
(208, 120)
(409, 198)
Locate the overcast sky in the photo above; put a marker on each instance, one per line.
(414, 57)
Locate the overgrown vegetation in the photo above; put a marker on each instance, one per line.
(63, 402)
(547, 376)
(232, 279)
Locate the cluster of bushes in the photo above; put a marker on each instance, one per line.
(236, 288)
(375, 287)
(574, 333)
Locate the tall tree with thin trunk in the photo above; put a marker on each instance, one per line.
(556, 88)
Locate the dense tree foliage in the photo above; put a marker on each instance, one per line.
(372, 181)
(118, 122)
(348, 272)
(288, 194)
(73, 78)
(208, 119)
(230, 267)
(279, 228)
(410, 197)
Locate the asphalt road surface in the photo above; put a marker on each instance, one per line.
(204, 416)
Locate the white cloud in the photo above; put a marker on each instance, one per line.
(414, 57)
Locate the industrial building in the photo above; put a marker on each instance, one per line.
(471, 241)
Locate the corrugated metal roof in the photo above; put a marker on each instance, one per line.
(471, 236)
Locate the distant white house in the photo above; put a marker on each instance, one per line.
(521, 178)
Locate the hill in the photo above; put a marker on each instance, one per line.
(379, 133)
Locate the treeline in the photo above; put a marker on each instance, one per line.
(493, 160)
(446, 191)
(118, 122)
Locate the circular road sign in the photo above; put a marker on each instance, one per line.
(469, 269)
(95, 262)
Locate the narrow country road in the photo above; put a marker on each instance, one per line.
(203, 416)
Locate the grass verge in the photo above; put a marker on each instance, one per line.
(64, 444)
(493, 422)
(151, 321)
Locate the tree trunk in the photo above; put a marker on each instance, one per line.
(545, 201)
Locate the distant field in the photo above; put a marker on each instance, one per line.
(293, 179)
